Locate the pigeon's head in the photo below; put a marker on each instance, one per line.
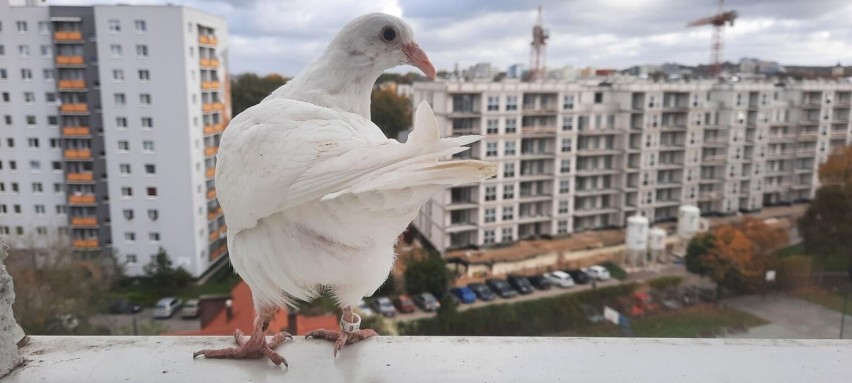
(382, 41)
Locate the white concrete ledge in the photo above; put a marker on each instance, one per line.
(441, 359)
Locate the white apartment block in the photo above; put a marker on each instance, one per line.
(578, 156)
(117, 112)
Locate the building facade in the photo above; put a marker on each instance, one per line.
(114, 115)
(577, 156)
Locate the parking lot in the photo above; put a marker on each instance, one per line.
(123, 323)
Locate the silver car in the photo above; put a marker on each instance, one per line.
(167, 307)
(560, 278)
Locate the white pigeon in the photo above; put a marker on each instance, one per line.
(315, 195)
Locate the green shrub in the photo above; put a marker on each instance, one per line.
(663, 283)
(615, 271)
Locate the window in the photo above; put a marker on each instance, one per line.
(49, 75)
(511, 125)
(508, 191)
(3, 209)
(598, 97)
(131, 258)
(508, 170)
(508, 213)
(123, 146)
(121, 122)
(488, 236)
(509, 148)
(563, 207)
(568, 102)
(115, 50)
(37, 187)
(148, 146)
(58, 187)
(22, 26)
(490, 215)
(129, 236)
(10, 142)
(3, 74)
(562, 227)
(490, 193)
(154, 237)
(147, 122)
(511, 102)
(127, 191)
(39, 209)
(114, 26)
(153, 214)
(150, 169)
(141, 27)
(144, 75)
(17, 209)
(567, 123)
(124, 169)
(118, 74)
(46, 51)
(564, 186)
(493, 102)
(50, 97)
(32, 142)
(127, 213)
(30, 119)
(43, 27)
(566, 145)
(565, 166)
(26, 74)
(24, 51)
(29, 97)
(2, 50)
(61, 209)
(141, 50)
(145, 99)
(491, 149)
(506, 234)
(492, 126)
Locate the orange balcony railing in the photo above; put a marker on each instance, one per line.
(68, 36)
(78, 154)
(209, 62)
(208, 39)
(84, 221)
(212, 106)
(75, 131)
(209, 85)
(214, 235)
(85, 243)
(211, 151)
(74, 108)
(214, 128)
(80, 177)
(210, 173)
(69, 60)
(215, 213)
(72, 84)
(211, 193)
(87, 199)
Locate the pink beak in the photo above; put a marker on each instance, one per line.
(418, 58)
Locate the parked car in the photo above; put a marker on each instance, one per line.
(464, 294)
(364, 310)
(427, 302)
(502, 288)
(404, 304)
(383, 306)
(482, 291)
(167, 307)
(560, 278)
(522, 284)
(190, 309)
(598, 272)
(579, 276)
(123, 306)
(540, 282)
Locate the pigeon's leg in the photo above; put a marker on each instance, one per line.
(349, 335)
(254, 346)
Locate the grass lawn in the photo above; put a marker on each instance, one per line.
(684, 323)
(797, 249)
(220, 283)
(828, 299)
(828, 263)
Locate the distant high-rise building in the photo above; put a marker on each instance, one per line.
(111, 118)
(575, 156)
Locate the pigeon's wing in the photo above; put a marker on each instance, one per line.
(283, 153)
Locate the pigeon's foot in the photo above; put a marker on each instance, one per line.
(341, 338)
(250, 347)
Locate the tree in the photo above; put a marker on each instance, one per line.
(161, 277)
(427, 274)
(248, 89)
(390, 112)
(698, 247)
(827, 224)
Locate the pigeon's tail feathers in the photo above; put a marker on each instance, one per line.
(425, 126)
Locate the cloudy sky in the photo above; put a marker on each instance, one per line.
(282, 36)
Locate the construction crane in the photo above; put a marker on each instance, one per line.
(717, 21)
(538, 53)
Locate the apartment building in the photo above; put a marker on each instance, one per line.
(111, 121)
(578, 156)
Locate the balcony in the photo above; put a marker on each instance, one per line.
(214, 129)
(805, 152)
(211, 194)
(714, 159)
(212, 107)
(211, 151)
(207, 39)
(78, 154)
(208, 85)
(86, 199)
(210, 173)
(214, 213)
(83, 244)
(68, 36)
(74, 108)
(76, 131)
(71, 85)
(540, 109)
(84, 221)
(69, 60)
(209, 62)
(539, 129)
(80, 177)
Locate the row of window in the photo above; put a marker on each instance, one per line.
(33, 142)
(40, 230)
(490, 214)
(117, 51)
(124, 169)
(36, 186)
(130, 237)
(512, 102)
(24, 50)
(44, 26)
(507, 233)
(509, 191)
(121, 99)
(127, 192)
(39, 209)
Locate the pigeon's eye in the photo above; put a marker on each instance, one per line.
(388, 34)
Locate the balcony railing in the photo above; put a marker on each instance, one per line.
(78, 154)
(87, 199)
(215, 213)
(214, 129)
(539, 129)
(74, 108)
(207, 39)
(71, 84)
(212, 106)
(211, 151)
(211, 194)
(84, 221)
(80, 177)
(207, 85)
(76, 131)
(85, 243)
(209, 62)
(210, 173)
(68, 36)
(69, 60)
